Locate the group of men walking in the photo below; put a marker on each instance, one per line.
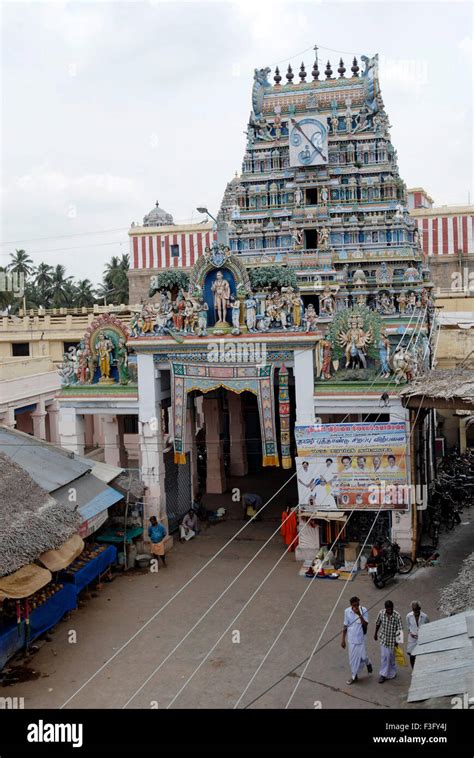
(388, 631)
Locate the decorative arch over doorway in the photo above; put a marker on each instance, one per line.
(258, 379)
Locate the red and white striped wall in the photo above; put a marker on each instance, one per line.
(446, 234)
(165, 250)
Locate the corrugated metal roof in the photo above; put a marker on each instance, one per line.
(49, 466)
(86, 491)
(444, 658)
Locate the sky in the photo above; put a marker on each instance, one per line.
(110, 106)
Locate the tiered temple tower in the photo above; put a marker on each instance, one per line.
(320, 189)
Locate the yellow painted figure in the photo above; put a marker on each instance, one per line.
(104, 350)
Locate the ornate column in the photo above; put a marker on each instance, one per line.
(215, 481)
(304, 386)
(238, 450)
(53, 413)
(111, 440)
(39, 420)
(71, 430)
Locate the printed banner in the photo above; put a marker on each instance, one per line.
(345, 466)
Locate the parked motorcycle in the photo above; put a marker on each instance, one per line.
(387, 563)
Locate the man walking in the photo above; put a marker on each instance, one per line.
(389, 627)
(356, 619)
(415, 619)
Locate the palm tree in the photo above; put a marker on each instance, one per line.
(84, 294)
(115, 285)
(21, 263)
(111, 269)
(22, 266)
(60, 287)
(43, 280)
(6, 293)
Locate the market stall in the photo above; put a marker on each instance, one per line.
(31, 604)
(91, 564)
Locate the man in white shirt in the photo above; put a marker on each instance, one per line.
(356, 619)
(415, 619)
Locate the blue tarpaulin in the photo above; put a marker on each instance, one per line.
(10, 642)
(100, 503)
(52, 610)
(86, 574)
(47, 615)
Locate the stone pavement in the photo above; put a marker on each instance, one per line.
(106, 622)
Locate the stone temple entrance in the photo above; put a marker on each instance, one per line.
(230, 439)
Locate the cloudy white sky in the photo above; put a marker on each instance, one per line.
(109, 106)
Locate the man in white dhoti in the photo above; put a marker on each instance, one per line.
(388, 628)
(415, 619)
(356, 619)
(188, 527)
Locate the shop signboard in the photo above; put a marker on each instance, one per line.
(91, 525)
(353, 466)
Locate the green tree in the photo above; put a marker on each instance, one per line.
(272, 276)
(170, 280)
(60, 290)
(21, 263)
(114, 288)
(84, 294)
(43, 277)
(7, 297)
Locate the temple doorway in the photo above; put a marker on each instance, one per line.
(229, 447)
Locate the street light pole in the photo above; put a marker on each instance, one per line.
(222, 228)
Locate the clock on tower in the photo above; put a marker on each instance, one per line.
(308, 142)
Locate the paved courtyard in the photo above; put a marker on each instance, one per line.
(121, 608)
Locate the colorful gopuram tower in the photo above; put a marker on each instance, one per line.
(320, 193)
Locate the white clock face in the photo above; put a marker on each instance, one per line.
(308, 142)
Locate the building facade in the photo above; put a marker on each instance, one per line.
(308, 307)
(447, 234)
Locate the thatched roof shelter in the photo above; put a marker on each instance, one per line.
(450, 390)
(31, 521)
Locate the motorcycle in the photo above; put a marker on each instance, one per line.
(387, 564)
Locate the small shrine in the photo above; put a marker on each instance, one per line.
(101, 359)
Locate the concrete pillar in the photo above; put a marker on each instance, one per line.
(8, 418)
(53, 413)
(238, 450)
(304, 386)
(190, 445)
(151, 444)
(89, 430)
(215, 480)
(71, 430)
(39, 420)
(111, 440)
(462, 434)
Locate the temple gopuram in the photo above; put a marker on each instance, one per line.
(306, 307)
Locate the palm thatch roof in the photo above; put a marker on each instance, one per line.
(451, 389)
(31, 521)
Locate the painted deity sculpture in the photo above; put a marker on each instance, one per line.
(356, 341)
(235, 312)
(327, 302)
(384, 355)
(202, 318)
(326, 354)
(104, 348)
(221, 291)
(297, 309)
(122, 362)
(251, 312)
(310, 318)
